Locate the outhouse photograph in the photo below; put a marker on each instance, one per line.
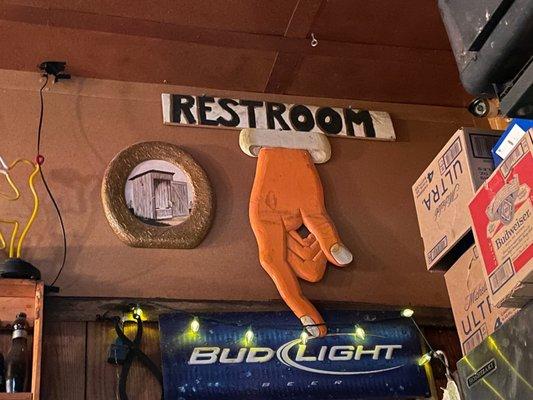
(159, 193)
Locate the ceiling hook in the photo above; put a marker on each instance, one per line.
(314, 41)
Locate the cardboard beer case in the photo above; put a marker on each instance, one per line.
(502, 220)
(443, 191)
(510, 137)
(475, 316)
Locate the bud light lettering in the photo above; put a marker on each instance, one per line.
(304, 354)
(210, 355)
(344, 353)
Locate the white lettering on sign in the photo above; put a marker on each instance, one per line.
(345, 353)
(260, 355)
(339, 353)
(226, 359)
(204, 355)
(209, 355)
(179, 109)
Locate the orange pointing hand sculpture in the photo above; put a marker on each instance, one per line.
(287, 193)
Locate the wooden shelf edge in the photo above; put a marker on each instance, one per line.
(17, 287)
(16, 396)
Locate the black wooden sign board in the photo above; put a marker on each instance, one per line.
(180, 109)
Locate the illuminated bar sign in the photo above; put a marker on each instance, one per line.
(180, 109)
(261, 356)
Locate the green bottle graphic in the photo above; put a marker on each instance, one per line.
(17, 360)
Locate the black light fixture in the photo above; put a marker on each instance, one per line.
(17, 268)
(55, 68)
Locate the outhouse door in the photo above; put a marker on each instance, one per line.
(180, 199)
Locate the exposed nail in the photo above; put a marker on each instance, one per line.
(312, 330)
(341, 254)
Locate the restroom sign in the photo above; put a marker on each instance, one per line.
(181, 109)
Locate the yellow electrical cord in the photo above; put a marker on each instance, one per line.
(11, 252)
(31, 182)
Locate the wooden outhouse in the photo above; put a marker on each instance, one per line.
(156, 196)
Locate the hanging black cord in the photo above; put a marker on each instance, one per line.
(296, 324)
(41, 114)
(135, 352)
(431, 350)
(40, 161)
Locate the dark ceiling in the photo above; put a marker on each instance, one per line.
(387, 50)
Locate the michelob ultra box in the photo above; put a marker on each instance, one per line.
(474, 315)
(443, 191)
(502, 220)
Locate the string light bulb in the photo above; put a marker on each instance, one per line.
(304, 336)
(137, 311)
(407, 313)
(249, 336)
(360, 332)
(195, 325)
(424, 359)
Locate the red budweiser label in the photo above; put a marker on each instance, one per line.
(502, 217)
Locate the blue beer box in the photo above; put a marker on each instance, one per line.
(510, 137)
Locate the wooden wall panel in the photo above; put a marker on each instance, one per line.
(63, 361)
(130, 57)
(378, 80)
(102, 377)
(141, 384)
(367, 188)
(233, 45)
(253, 16)
(363, 21)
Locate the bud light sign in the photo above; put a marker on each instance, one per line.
(263, 356)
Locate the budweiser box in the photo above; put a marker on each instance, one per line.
(443, 191)
(474, 315)
(502, 220)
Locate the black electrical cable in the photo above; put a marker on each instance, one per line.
(431, 350)
(135, 352)
(296, 325)
(40, 161)
(363, 322)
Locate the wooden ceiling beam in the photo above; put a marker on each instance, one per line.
(212, 37)
(302, 18)
(283, 71)
(286, 64)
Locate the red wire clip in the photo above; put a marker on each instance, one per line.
(40, 159)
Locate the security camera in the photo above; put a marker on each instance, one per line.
(482, 107)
